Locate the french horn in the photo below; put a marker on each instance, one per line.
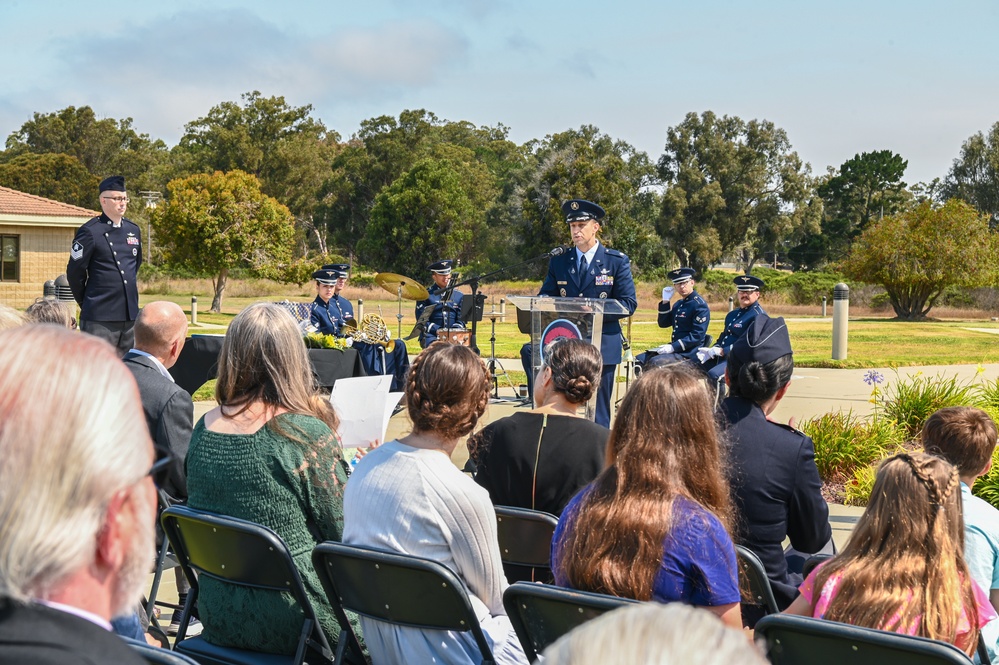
(371, 330)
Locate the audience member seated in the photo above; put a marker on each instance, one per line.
(539, 459)
(651, 634)
(407, 496)
(902, 569)
(49, 310)
(966, 437)
(267, 454)
(654, 525)
(77, 504)
(775, 483)
(160, 333)
(10, 317)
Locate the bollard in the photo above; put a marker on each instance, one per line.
(841, 315)
(360, 310)
(823, 307)
(194, 310)
(502, 310)
(731, 303)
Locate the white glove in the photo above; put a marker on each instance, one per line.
(665, 348)
(704, 354)
(667, 293)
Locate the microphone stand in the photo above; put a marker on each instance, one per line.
(475, 280)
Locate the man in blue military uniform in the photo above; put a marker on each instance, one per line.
(445, 303)
(590, 271)
(330, 311)
(689, 319)
(737, 322)
(103, 264)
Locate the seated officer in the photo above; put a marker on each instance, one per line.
(689, 319)
(737, 322)
(446, 304)
(330, 311)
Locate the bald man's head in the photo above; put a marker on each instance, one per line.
(161, 330)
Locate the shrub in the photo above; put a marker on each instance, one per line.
(910, 402)
(987, 487)
(844, 442)
(858, 488)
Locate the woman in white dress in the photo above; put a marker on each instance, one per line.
(407, 496)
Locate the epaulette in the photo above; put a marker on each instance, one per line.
(615, 252)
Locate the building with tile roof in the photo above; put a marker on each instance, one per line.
(35, 237)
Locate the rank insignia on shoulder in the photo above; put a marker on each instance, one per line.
(76, 253)
(700, 319)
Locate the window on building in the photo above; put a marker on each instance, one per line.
(10, 258)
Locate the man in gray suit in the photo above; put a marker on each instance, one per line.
(160, 332)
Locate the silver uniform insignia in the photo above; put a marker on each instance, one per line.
(76, 252)
(603, 294)
(562, 292)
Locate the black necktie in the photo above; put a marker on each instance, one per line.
(582, 264)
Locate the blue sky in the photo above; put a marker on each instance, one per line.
(917, 77)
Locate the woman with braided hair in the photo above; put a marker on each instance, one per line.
(407, 496)
(902, 569)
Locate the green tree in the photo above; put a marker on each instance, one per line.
(105, 147)
(214, 223)
(731, 186)
(288, 150)
(436, 209)
(55, 176)
(868, 186)
(586, 164)
(974, 177)
(918, 253)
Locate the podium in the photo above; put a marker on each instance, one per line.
(552, 317)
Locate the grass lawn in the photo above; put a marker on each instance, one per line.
(873, 342)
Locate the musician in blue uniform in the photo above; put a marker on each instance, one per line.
(590, 270)
(714, 359)
(689, 318)
(445, 303)
(103, 265)
(330, 311)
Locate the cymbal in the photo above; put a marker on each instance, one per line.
(411, 289)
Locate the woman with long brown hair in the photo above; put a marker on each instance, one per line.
(655, 524)
(902, 569)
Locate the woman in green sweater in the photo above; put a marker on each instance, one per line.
(268, 454)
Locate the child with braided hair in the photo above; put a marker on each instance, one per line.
(902, 569)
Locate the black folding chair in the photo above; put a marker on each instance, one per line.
(798, 640)
(395, 588)
(158, 656)
(542, 613)
(525, 540)
(165, 560)
(245, 554)
(754, 576)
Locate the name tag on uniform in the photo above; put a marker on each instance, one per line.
(562, 283)
(605, 280)
(132, 240)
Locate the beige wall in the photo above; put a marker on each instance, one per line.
(44, 254)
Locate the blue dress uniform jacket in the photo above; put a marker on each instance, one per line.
(689, 319)
(446, 313)
(777, 492)
(328, 318)
(103, 264)
(737, 322)
(609, 277)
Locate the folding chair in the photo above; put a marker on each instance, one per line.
(525, 540)
(245, 554)
(797, 640)
(542, 613)
(754, 576)
(164, 561)
(395, 588)
(157, 656)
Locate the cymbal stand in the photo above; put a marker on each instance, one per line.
(493, 362)
(399, 315)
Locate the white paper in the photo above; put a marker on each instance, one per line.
(364, 405)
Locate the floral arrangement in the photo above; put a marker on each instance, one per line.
(316, 340)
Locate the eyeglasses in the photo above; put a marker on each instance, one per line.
(116, 199)
(158, 471)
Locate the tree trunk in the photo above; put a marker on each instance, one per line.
(219, 284)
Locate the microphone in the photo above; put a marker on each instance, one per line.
(557, 251)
